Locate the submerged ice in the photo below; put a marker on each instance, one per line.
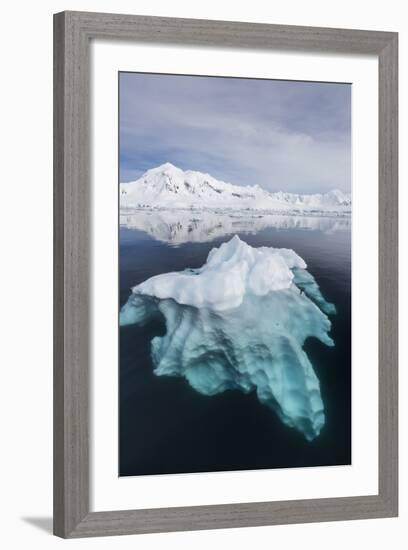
(240, 322)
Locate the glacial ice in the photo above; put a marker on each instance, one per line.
(231, 271)
(240, 322)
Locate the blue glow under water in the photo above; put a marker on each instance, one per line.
(168, 427)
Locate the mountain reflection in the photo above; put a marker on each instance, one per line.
(183, 226)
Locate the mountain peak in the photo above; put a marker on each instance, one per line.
(165, 167)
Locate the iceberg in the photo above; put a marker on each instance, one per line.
(240, 323)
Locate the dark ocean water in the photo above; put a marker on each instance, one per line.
(168, 427)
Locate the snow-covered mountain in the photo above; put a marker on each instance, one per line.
(170, 187)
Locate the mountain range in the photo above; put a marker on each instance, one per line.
(169, 187)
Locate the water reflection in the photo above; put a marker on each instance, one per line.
(183, 226)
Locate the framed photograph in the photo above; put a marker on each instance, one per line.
(225, 283)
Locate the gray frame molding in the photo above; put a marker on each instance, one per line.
(72, 33)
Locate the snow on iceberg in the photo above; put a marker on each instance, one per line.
(240, 322)
(231, 271)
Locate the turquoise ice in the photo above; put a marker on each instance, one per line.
(240, 322)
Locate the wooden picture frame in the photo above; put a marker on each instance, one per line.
(72, 34)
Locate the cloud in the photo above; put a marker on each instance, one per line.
(291, 136)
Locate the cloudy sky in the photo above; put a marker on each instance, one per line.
(281, 135)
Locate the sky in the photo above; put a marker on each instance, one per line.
(282, 135)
